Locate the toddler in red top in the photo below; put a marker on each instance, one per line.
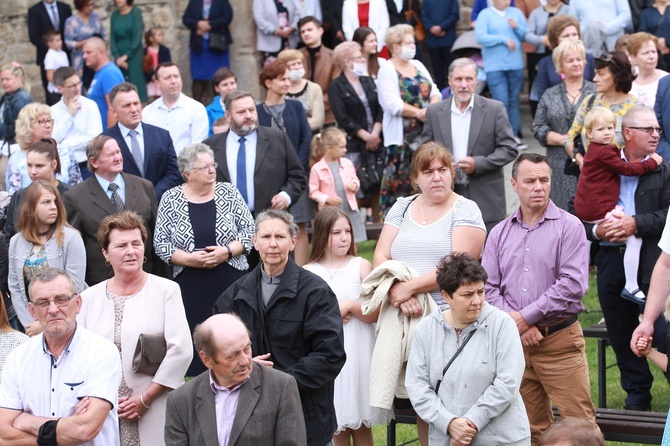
(598, 186)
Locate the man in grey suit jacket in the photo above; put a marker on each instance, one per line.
(265, 401)
(90, 201)
(482, 144)
(276, 179)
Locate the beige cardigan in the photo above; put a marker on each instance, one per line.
(394, 331)
(156, 309)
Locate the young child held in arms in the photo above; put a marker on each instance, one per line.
(332, 178)
(598, 187)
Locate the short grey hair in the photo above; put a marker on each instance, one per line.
(234, 96)
(50, 274)
(276, 214)
(630, 119)
(461, 62)
(189, 155)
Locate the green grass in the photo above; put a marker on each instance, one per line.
(615, 394)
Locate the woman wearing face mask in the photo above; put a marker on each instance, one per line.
(405, 90)
(353, 99)
(306, 92)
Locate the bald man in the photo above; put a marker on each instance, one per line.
(235, 401)
(107, 76)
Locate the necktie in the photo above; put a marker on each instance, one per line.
(135, 149)
(116, 199)
(242, 169)
(54, 16)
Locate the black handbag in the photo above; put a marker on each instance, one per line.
(571, 168)
(218, 42)
(370, 175)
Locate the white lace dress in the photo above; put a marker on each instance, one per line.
(352, 385)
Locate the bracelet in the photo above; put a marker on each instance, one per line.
(142, 401)
(230, 252)
(46, 436)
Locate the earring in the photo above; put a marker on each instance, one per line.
(106, 263)
(145, 259)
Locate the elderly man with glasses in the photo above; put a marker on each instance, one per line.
(61, 386)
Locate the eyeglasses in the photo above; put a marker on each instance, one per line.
(73, 85)
(206, 167)
(45, 122)
(649, 130)
(60, 301)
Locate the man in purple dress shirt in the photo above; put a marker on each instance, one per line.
(537, 262)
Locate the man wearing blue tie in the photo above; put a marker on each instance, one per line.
(260, 161)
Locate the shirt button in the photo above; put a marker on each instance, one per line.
(524, 289)
(527, 249)
(53, 414)
(55, 367)
(525, 269)
(53, 390)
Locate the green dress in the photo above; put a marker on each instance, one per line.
(125, 37)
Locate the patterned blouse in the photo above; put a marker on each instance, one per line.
(175, 231)
(619, 111)
(76, 30)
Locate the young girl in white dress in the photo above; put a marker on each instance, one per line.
(333, 259)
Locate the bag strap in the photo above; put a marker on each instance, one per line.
(458, 352)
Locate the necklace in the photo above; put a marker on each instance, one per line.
(338, 267)
(425, 220)
(122, 293)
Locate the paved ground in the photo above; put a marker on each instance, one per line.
(533, 146)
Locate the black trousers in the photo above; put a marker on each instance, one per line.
(621, 318)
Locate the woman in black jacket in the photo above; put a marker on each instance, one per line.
(353, 99)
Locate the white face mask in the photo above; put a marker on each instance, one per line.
(408, 53)
(359, 69)
(296, 75)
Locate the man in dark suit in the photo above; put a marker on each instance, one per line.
(482, 145)
(147, 150)
(272, 176)
(662, 109)
(42, 17)
(267, 411)
(108, 191)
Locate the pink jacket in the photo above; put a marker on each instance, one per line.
(322, 185)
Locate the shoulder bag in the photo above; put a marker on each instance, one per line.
(458, 352)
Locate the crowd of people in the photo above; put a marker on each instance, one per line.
(150, 235)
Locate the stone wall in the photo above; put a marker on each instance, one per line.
(15, 45)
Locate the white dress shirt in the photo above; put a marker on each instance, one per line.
(74, 132)
(186, 120)
(460, 129)
(36, 382)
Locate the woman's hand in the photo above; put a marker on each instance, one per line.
(399, 293)
(34, 329)
(203, 27)
(264, 360)
(353, 186)
(462, 431)
(345, 311)
(131, 408)
(372, 142)
(122, 62)
(214, 256)
(511, 45)
(333, 201)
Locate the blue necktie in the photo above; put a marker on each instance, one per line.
(242, 169)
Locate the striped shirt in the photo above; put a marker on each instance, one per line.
(540, 271)
(422, 246)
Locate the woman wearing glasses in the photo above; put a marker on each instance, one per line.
(614, 79)
(33, 124)
(44, 240)
(203, 229)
